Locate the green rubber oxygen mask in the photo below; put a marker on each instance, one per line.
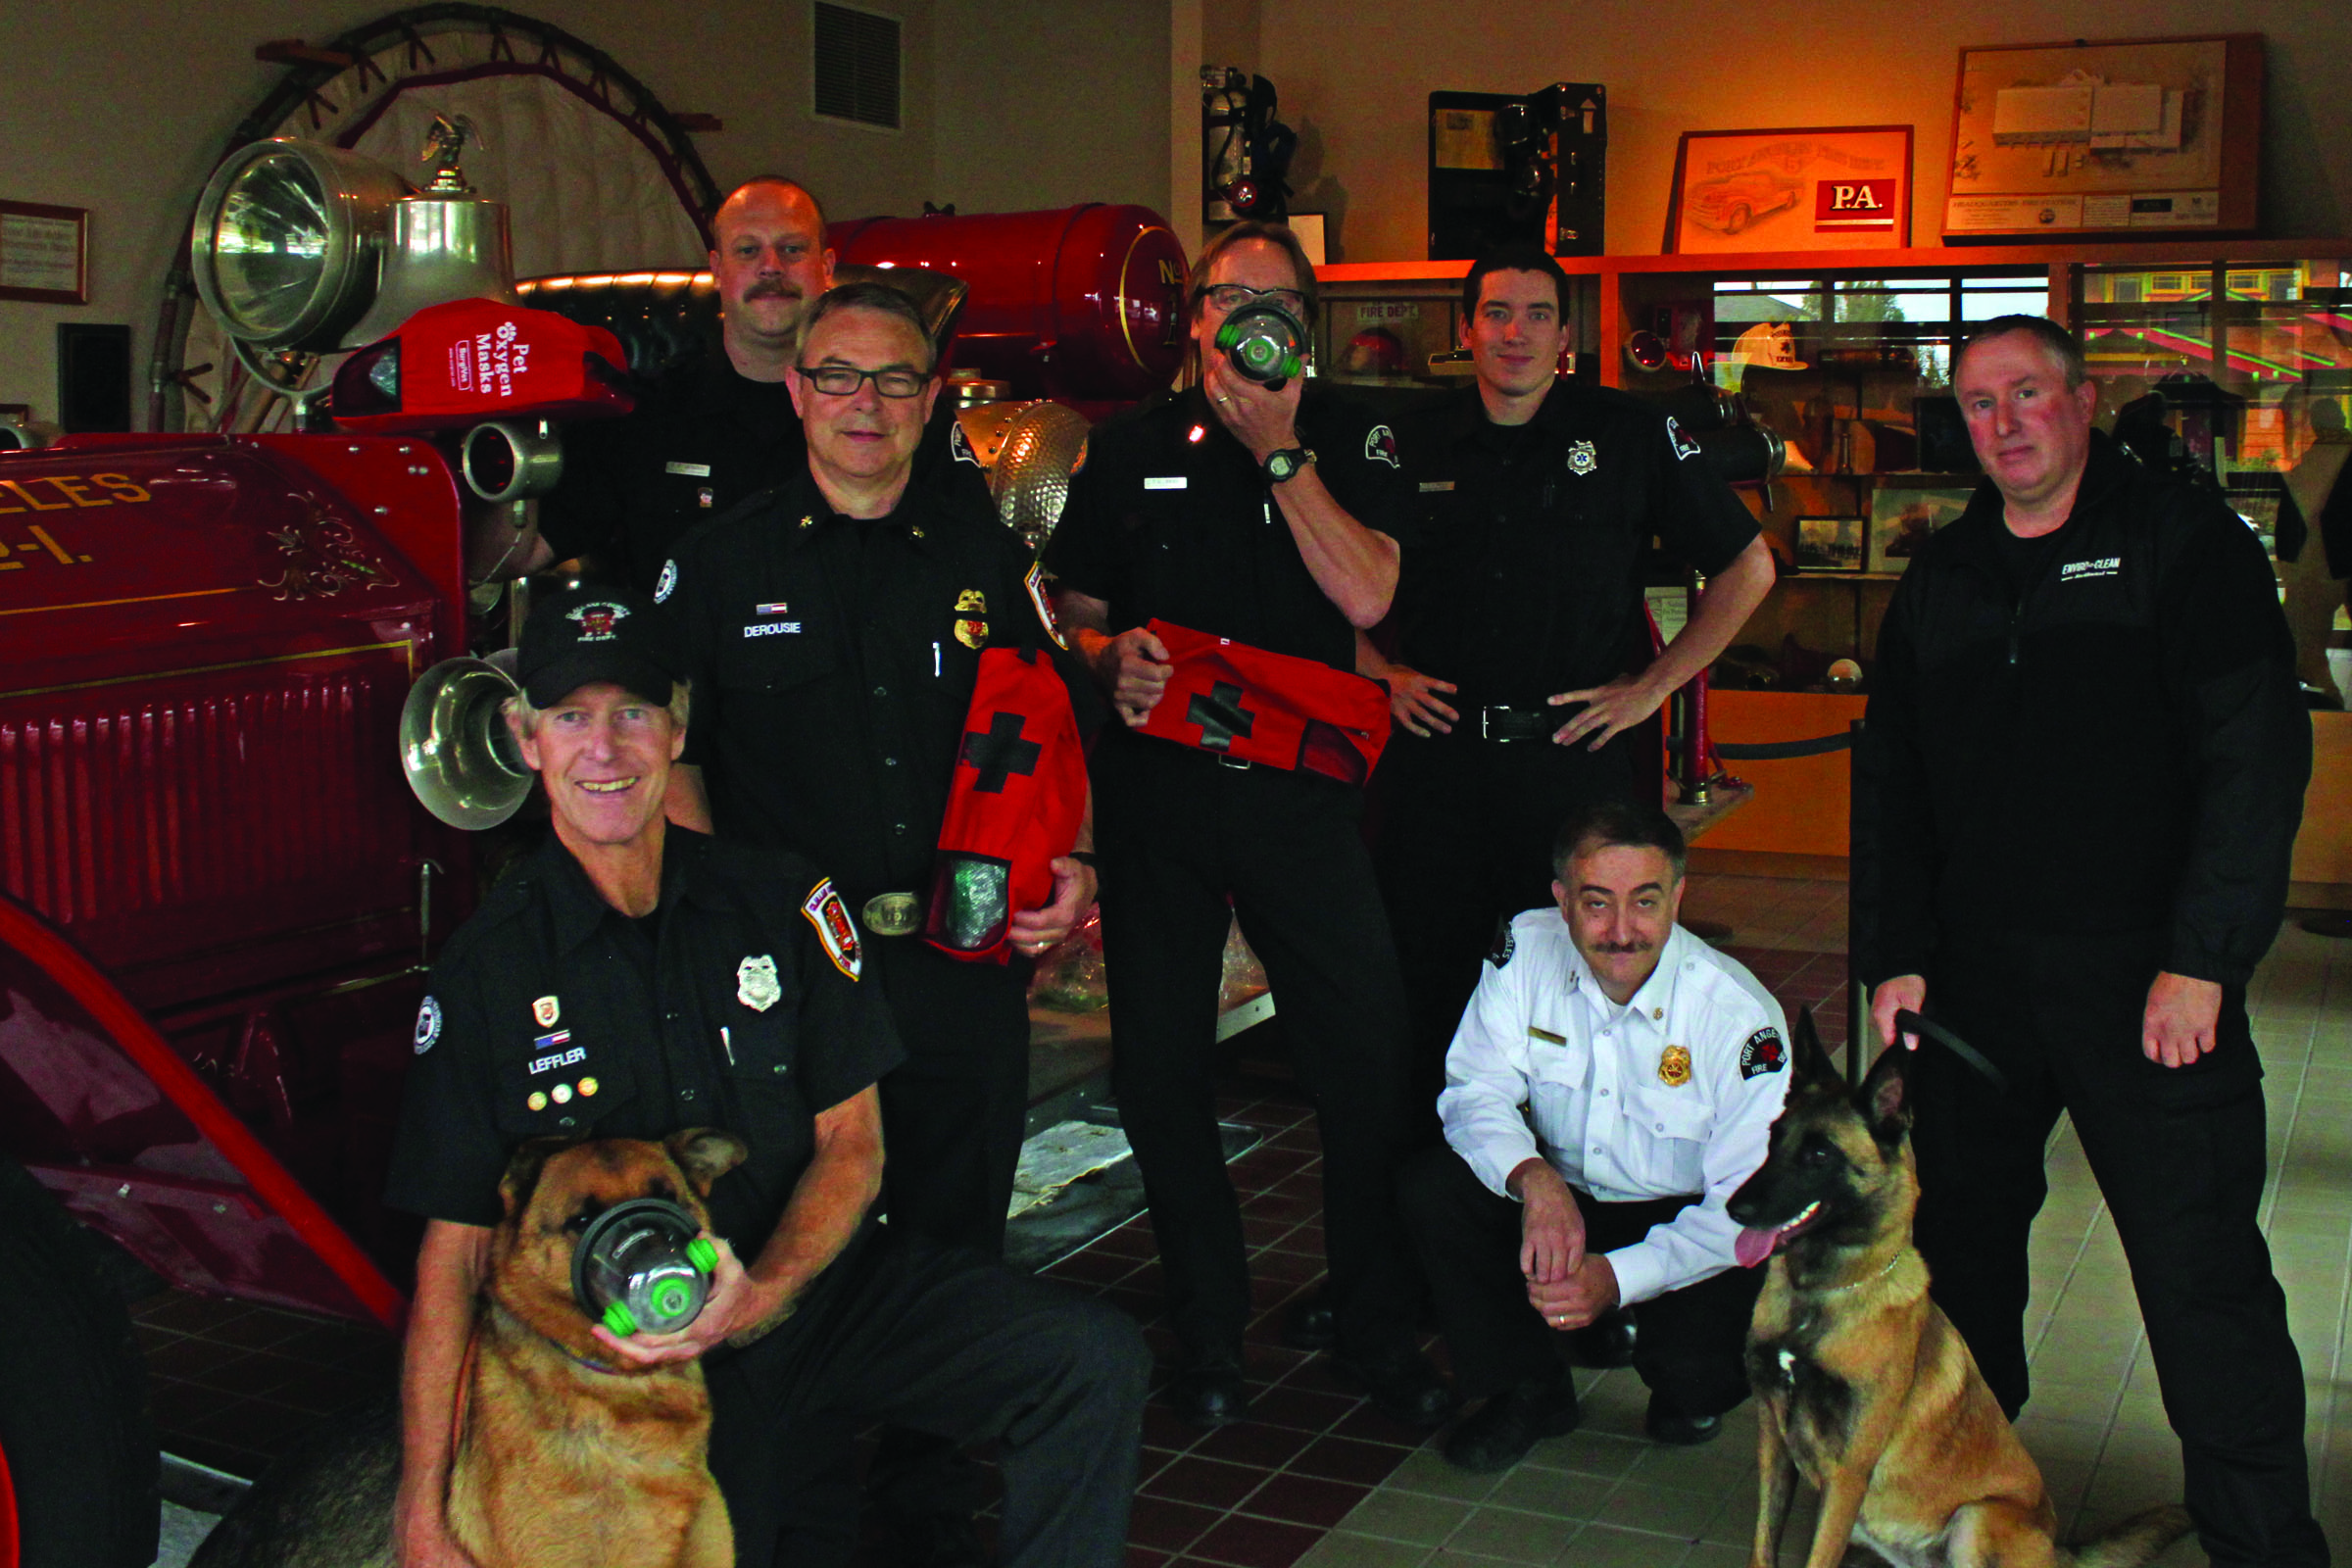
(642, 1266)
(1264, 343)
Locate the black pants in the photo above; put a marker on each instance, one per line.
(1180, 834)
(1689, 1345)
(943, 1341)
(1464, 841)
(2179, 1156)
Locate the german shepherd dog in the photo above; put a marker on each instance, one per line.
(1862, 1385)
(559, 1460)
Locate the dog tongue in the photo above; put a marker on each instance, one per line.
(1755, 1244)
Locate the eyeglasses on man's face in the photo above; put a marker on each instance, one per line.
(841, 381)
(1231, 297)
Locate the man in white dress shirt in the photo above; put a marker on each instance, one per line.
(1613, 1083)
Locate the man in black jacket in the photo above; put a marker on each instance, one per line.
(2083, 772)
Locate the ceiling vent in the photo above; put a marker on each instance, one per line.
(857, 65)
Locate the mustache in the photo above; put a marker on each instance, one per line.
(1623, 946)
(772, 290)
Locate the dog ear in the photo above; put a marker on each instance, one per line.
(521, 1178)
(1813, 1064)
(705, 1155)
(1884, 1097)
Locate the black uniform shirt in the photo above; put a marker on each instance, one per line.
(1529, 578)
(1172, 517)
(833, 661)
(648, 1034)
(702, 438)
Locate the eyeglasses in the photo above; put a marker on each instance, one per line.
(842, 380)
(1231, 297)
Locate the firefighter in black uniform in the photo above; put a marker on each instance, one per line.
(634, 979)
(712, 429)
(2082, 773)
(834, 630)
(1521, 656)
(1269, 518)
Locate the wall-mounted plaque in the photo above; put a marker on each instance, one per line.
(44, 252)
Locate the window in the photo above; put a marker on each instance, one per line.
(857, 65)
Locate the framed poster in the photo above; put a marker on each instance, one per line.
(1818, 189)
(1831, 544)
(44, 253)
(2132, 136)
(1902, 514)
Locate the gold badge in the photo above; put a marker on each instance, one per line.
(973, 634)
(1674, 1066)
(971, 601)
(547, 1010)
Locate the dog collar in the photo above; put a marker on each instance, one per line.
(1840, 1289)
(570, 1355)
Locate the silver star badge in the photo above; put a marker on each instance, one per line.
(1582, 457)
(756, 983)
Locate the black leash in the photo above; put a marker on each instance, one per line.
(1907, 1022)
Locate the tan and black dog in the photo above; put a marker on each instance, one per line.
(1864, 1388)
(559, 1460)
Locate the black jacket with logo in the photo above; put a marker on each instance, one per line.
(2114, 748)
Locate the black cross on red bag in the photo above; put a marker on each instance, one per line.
(1253, 706)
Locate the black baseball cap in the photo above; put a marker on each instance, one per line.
(583, 635)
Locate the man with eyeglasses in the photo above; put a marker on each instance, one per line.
(710, 427)
(834, 628)
(1247, 531)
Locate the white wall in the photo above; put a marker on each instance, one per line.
(1354, 77)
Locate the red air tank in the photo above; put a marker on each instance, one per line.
(1085, 302)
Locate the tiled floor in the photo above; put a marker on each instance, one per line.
(1318, 1478)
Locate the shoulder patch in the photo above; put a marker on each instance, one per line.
(1380, 446)
(429, 1026)
(668, 583)
(1685, 448)
(959, 445)
(1763, 1054)
(1035, 582)
(835, 930)
(1504, 944)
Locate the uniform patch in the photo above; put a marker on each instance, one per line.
(1035, 582)
(546, 1012)
(1763, 1054)
(1504, 945)
(668, 583)
(691, 470)
(831, 917)
(774, 606)
(1583, 458)
(429, 1026)
(1380, 446)
(556, 1058)
(706, 498)
(1674, 1066)
(772, 628)
(1685, 448)
(2100, 567)
(959, 445)
(756, 983)
(597, 619)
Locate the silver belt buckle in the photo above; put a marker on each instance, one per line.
(1225, 760)
(893, 914)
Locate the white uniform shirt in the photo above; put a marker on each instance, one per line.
(1671, 1094)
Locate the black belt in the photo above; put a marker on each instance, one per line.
(1518, 723)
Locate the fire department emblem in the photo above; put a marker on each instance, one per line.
(597, 619)
(972, 633)
(756, 983)
(1685, 448)
(831, 918)
(1582, 459)
(547, 1010)
(1380, 446)
(668, 584)
(429, 1026)
(1763, 1054)
(1035, 582)
(959, 445)
(1674, 1066)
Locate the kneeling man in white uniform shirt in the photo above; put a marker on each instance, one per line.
(1613, 1082)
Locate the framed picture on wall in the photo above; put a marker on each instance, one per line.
(2107, 139)
(1831, 544)
(1903, 515)
(44, 252)
(1830, 188)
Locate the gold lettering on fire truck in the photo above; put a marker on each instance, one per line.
(79, 491)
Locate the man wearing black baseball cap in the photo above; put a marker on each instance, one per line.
(634, 978)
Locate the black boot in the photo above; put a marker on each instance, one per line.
(1208, 1392)
(1502, 1430)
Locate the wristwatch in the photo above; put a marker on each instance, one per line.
(1286, 464)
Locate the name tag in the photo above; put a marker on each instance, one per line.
(1428, 485)
(691, 470)
(1546, 1035)
(772, 628)
(1173, 481)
